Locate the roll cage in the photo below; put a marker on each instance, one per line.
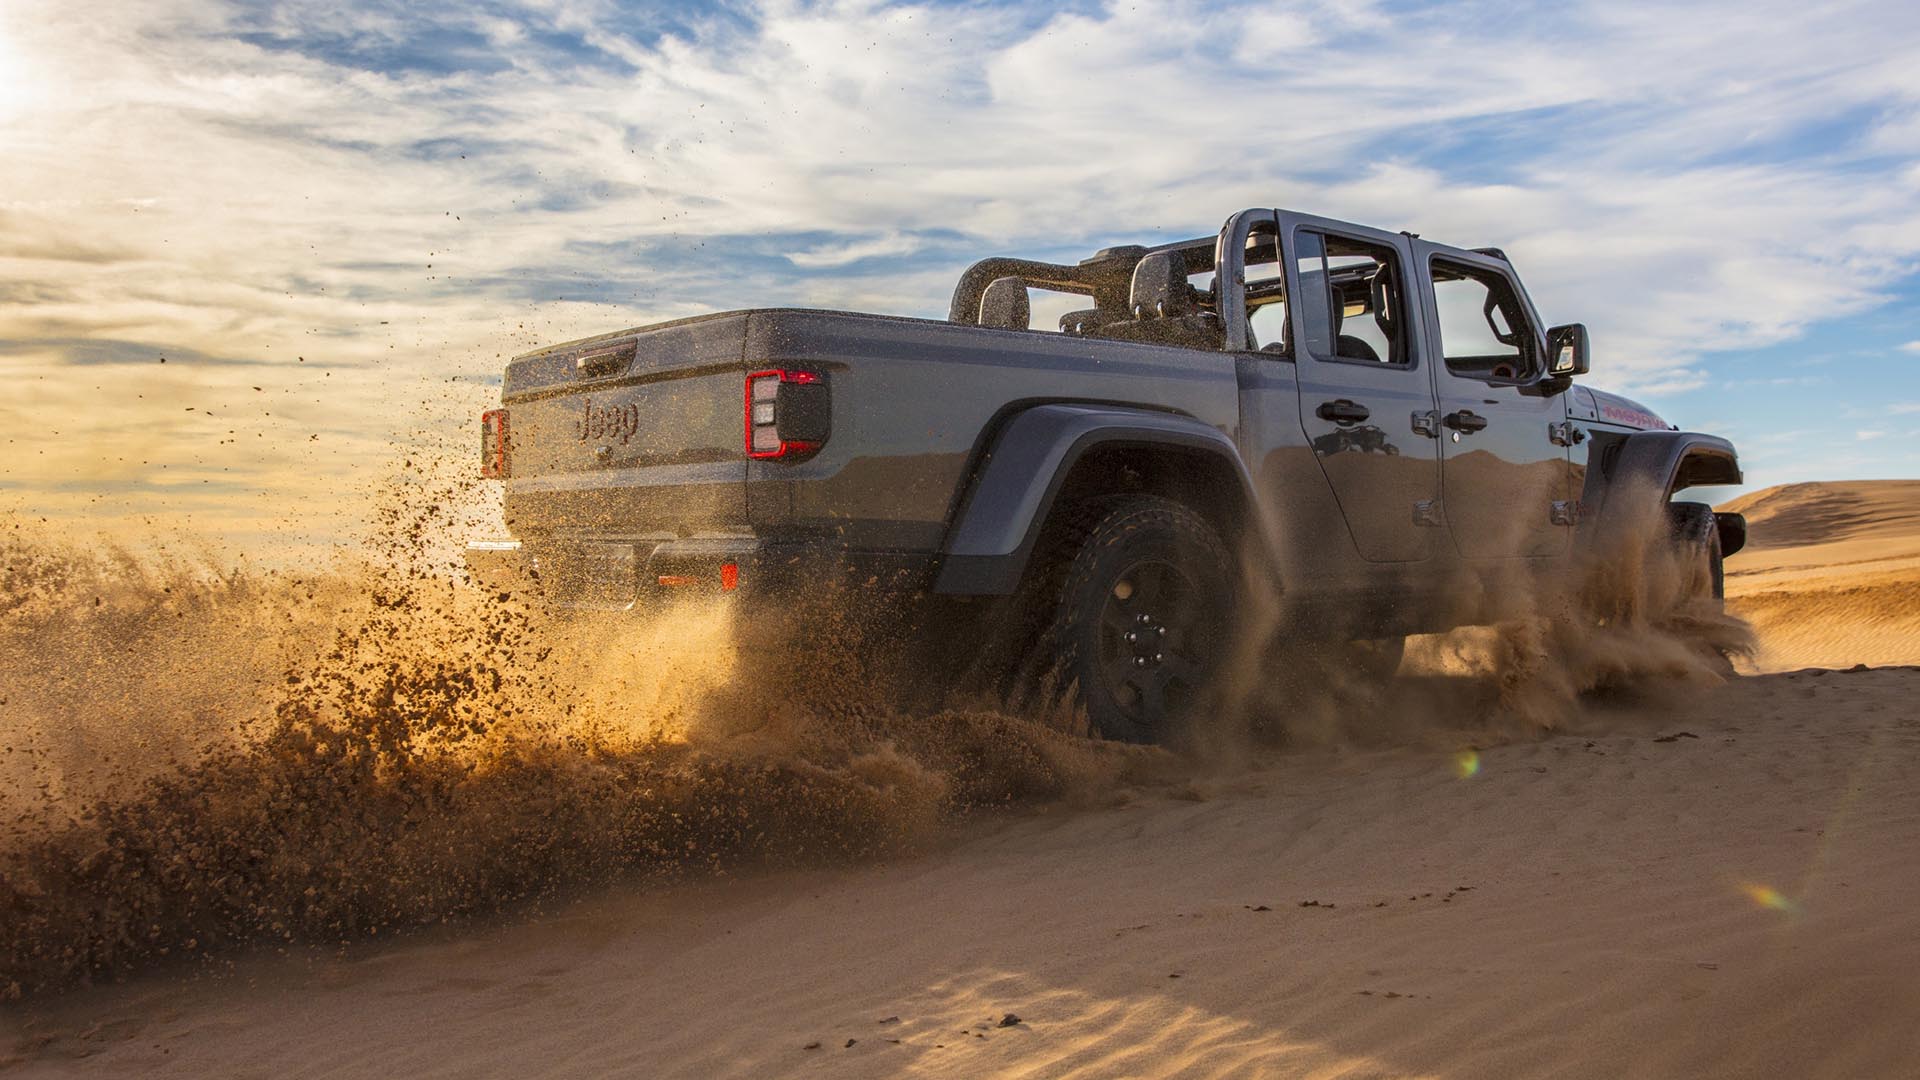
(1248, 240)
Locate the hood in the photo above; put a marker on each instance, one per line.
(1600, 407)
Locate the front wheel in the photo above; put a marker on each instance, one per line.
(1703, 586)
(1696, 534)
(1143, 616)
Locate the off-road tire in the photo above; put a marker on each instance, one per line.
(1149, 567)
(1698, 535)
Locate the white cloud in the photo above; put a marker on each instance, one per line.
(170, 182)
(1865, 436)
(830, 255)
(1911, 347)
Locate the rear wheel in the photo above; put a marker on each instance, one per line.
(1142, 616)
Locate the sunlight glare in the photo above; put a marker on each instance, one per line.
(18, 87)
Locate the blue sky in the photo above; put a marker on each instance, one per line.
(337, 219)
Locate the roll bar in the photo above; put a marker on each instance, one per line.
(1107, 276)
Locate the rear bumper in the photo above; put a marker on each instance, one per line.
(626, 575)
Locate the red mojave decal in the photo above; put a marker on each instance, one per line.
(1631, 417)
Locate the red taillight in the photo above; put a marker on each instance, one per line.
(493, 444)
(763, 414)
(729, 576)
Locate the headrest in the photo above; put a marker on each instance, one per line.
(1080, 322)
(1160, 289)
(1004, 305)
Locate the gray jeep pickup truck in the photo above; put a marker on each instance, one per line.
(1360, 434)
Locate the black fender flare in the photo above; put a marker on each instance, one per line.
(998, 524)
(1652, 465)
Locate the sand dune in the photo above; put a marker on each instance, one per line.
(1801, 515)
(1831, 573)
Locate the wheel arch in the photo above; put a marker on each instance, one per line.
(1048, 457)
(1645, 469)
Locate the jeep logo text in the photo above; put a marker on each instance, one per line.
(603, 422)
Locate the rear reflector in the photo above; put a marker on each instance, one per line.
(493, 444)
(729, 578)
(763, 413)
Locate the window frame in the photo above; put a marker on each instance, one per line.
(1531, 350)
(1404, 325)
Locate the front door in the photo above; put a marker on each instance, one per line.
(1365, 393)
(1504, 468)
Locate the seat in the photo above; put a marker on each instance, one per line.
(1166, 310)
(1004, 306)
(1346, 346)
(1159, 288)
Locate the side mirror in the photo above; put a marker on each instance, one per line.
(1567, 351)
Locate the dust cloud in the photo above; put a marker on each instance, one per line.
(1632, 619)
(195, 757)
(199, 758)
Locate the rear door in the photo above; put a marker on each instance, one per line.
(1504, 471)
(1365, 393)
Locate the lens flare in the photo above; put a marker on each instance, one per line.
(1769, 897)
(1466, 764)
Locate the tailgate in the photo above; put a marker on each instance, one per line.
(631, 434)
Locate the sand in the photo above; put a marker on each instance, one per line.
(1700, 881)
(1831, 573)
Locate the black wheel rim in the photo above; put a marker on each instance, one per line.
(1152, 637)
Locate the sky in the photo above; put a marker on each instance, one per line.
(258, 260)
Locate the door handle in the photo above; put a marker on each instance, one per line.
(1342, 411)
(1466, 420)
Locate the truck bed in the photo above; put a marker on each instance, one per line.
(647, 441)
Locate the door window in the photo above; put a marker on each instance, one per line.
(1351, 300)
(1484, 333)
